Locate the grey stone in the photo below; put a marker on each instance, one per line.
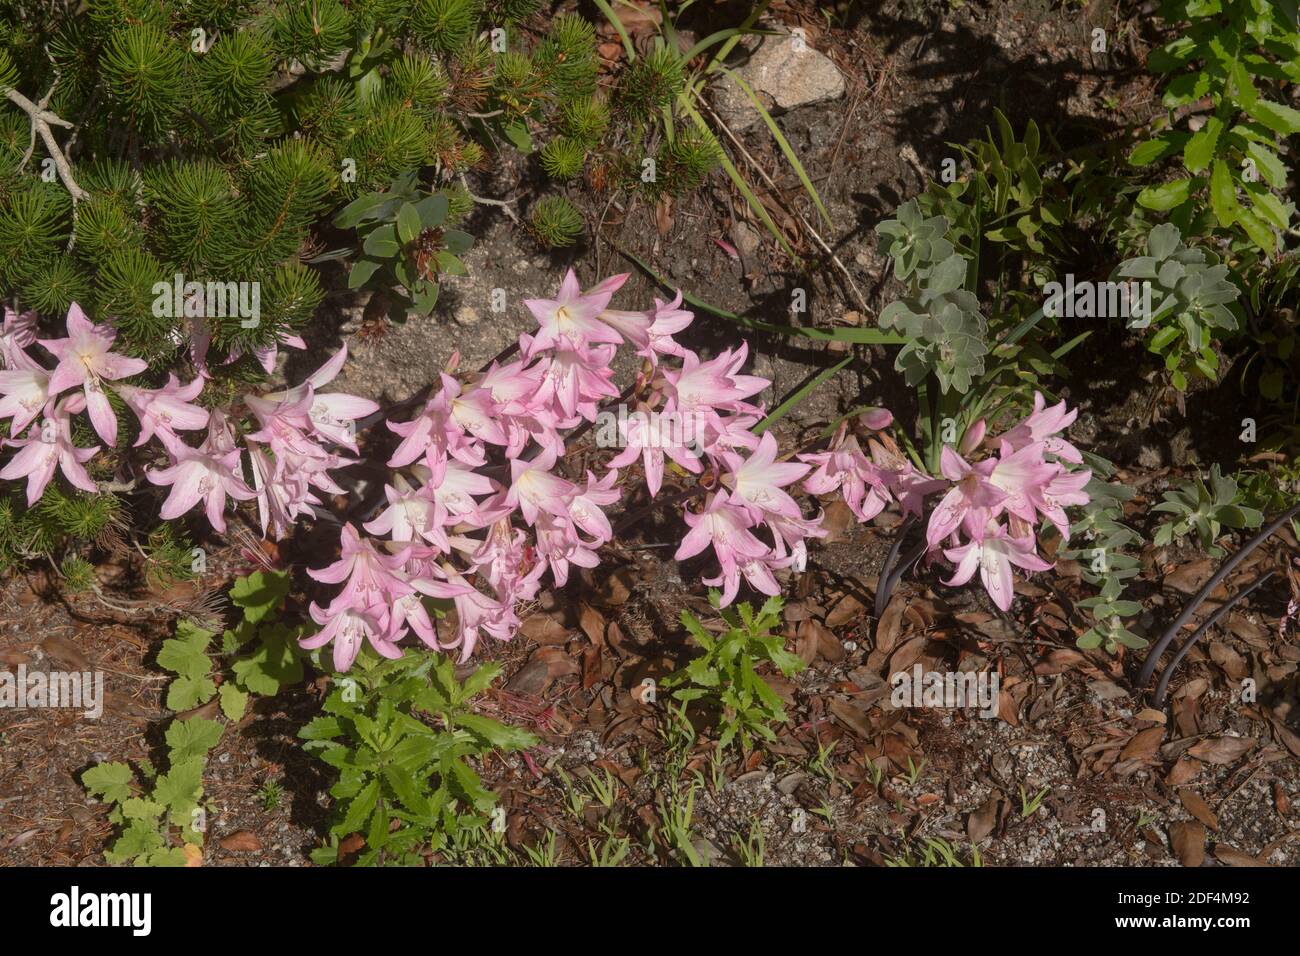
(785, 73)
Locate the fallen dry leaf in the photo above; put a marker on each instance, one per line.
(1234, 857)
(592, 623)
(1188, 578)
(1197, 807)
(1143, 745)
(66, 653)
(848, 611)
(852, 717)
(1188, 840)
(243, 841)
(544, 629)
(1221, 750)
(890, 625)
(1229, 660)
(982, 821)
(1182, 771)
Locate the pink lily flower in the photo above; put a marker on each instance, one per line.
(533, 489)
(347, 629)
(86, 359)
(1017, 474)
(585, 508)
(475, 411)
(791, 534)
(435, 434)
(575, 380)
(162, 411)
(668, 319)
(282, 495)
(1052, 498)
(756, 482)
(847, 470)
(971, 500)
(652, 436)
(475, 611)
(508, 562)
(559, 544)
(712, 386)
(208, 473)
(18, 334)
(908, 485)
(331, 415)
(573, 315)
(725, 527)
(993, 554)
(410, 512)
(1042, 425)
(25, 390)
(372, 577)
(48, 448)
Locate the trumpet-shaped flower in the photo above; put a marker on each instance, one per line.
(371, 576)
(1043, 425)
(86, 359)
(970, 502)
(993, 555)
(652, 436)
(1051, 499)
(25, 391)
(348, 629)
(329, 415)
(534, 489)
(47, 448)
(17, 334)
(164, 411)
(712, 386)
(434, 434)
(573, 315)
(847, 470)
(726, 527)
(205, 474)
(1017, 474)
(756, 482)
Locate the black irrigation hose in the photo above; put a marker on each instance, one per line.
(1149, 666)
(1210, 621)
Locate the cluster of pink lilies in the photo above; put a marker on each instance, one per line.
(286, 454)
(480, 510)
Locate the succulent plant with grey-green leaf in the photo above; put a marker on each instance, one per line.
(406, 242)
(1108, 610)
(1103, 542)
(940, 317)
(1192, 301)
(915, 243)
(1206, 510)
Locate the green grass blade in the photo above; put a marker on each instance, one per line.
(1070, 346)
(709, 41)
(604, 7)
(776, 414)
(786, 149)
(759, 209)
(854, 336)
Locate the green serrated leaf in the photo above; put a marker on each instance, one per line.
(111, 781)
(192, 738)
(260, 593)
(233, 702)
